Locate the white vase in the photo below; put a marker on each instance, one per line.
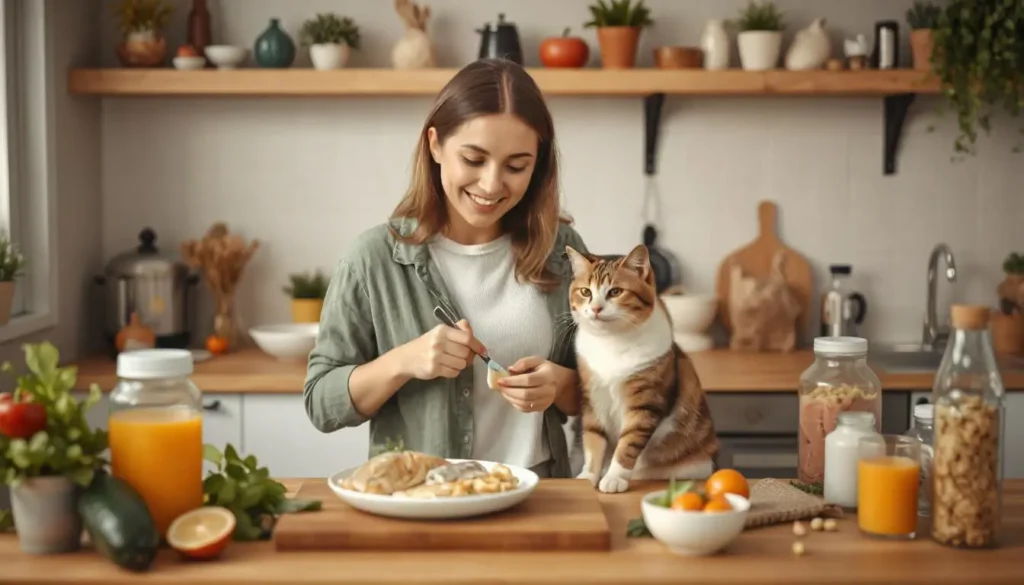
(759, 49)
(46, 515)
(810, 49)
(329, 55)
(715, 43)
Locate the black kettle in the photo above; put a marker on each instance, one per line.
(501, 42)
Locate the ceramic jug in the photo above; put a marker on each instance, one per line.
(810, 49)
(274, 48)
(715, 44)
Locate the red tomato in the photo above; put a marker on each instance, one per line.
(21, 420)
(564, 51)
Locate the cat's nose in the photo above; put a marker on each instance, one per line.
(596, 310)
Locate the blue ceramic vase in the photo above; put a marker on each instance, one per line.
(274, 48)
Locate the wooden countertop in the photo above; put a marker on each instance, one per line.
(720, 370)
(830, 558)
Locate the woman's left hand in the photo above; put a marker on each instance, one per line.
(533, 383)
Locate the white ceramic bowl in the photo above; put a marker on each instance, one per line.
(189, 63)
(286, 341)
(694, 533)
(437, 508)
(691, 313)
(226, 56)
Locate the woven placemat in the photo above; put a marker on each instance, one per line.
(774, 501)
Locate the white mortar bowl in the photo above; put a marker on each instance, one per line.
(694, 533)
(691, 313)
(226, 56)
(286, 341)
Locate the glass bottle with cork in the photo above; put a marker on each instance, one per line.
(155, 431)
(968, 451)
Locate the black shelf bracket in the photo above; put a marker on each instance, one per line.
(896, 107)
(652, 123)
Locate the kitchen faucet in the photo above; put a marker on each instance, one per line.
(933, 337)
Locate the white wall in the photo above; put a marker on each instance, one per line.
(306, 175)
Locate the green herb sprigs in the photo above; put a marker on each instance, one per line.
(812, 488)
(246, 489)
(636, 528)
(6, 521)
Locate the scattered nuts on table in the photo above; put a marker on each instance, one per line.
(831, 525)
(816, 524)
(798, 548)
(798, 528)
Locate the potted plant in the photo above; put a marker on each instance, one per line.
(922, 18)
(12, 265)
(48, 451)
(142, 25)
(760, 27)
(618, 27)
(969, 33)
(307, 292)
(330, 39)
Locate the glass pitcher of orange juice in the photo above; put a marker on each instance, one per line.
(156, 431)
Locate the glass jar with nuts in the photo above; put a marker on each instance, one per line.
(968, 414)
(839, 380)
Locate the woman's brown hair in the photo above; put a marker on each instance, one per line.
(491, 86)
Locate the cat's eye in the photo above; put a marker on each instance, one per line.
(612, 293)
(585, 292)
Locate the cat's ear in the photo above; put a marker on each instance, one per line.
(639, 261)
(579, 262)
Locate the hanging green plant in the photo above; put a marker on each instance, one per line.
(979, 58)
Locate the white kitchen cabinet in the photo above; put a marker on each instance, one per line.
(280, 435)
(1013, 435)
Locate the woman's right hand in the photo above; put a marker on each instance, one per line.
(442, 352)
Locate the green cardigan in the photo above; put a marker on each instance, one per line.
(382, 294)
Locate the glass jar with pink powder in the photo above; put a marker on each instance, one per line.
(839, 380)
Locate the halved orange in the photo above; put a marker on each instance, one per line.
(202, 533)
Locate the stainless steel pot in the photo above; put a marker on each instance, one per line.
(155, 287)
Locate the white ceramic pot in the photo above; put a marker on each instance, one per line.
(329, 55)
(46, 515)
(759, 49)
(715, 43)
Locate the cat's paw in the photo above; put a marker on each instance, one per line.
(589, 476)
(613, 484)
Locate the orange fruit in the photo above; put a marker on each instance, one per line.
(718, 504)
(187, 51)
(688, 501)
(216, 345)
(727, 481)
(202, 533)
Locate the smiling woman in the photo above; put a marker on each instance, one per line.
(480, 234)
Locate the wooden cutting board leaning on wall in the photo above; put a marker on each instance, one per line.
(756, 260)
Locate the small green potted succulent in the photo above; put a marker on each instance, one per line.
(922, 19)
(330, 39)
(48, 451)
(142, 24)
(760, 25)
(307, 292)
(619, 24)
(12, 267)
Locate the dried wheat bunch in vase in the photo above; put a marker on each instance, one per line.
(221, 257)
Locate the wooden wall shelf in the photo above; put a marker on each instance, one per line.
(553, 82)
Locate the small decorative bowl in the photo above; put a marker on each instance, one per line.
(694, 533)
(286, 341)
(226, 56)
(189, 63)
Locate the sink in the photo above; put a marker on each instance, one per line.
(915, 358)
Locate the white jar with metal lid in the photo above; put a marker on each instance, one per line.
(156, 431)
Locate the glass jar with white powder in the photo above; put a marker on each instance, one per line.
(840, 484)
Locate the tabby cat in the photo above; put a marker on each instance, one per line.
(640, 391)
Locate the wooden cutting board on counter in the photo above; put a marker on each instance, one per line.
(560, 515)
(756, 261)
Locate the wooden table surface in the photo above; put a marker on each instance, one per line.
(757, 556)
(720, 370)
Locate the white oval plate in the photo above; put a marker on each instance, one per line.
(437, 508)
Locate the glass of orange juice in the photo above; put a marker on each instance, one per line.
(887, 484)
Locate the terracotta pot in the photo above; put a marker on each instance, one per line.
(306, 310)
(921, 47)
(618, 46)
(678, 58)
(142, 49)
(1007, 333)
(6, 301)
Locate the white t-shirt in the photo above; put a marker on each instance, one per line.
(511, 319)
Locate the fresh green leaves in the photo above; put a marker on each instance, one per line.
(329, 28)
(12, 261)
(978, 56)
(674, 490)
(68, 446)
(619, 13)
(815, 489)
(762, 16)
(1014, 264)
(307, 286)
(245, 488)
(637, 528)
(923, 15)
(6, 521)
